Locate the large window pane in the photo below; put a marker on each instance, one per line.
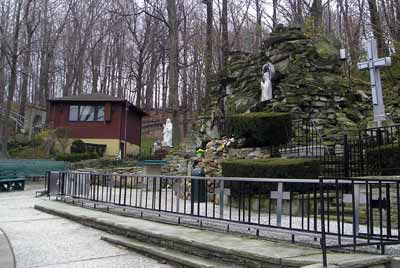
(73, 113)
(86, 113)
(100, 113)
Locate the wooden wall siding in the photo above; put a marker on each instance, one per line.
(109, 129)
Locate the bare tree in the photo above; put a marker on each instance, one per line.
(208, 52)
(173, 67)
(30, 27)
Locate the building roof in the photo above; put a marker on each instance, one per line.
(88, 97)
(96, 97)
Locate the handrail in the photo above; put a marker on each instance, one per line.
(320, 202)
(17, 118)
(326, 180)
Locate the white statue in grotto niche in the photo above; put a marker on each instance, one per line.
(167, 134)
(266, 82)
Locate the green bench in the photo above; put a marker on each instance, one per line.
(14, 172)
(11, 181)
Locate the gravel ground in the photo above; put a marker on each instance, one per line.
(42, 240)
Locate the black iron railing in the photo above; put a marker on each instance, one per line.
(342, 212)
(305, 141)
(374, 152)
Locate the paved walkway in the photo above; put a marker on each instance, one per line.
(43, 240)
(276, 252)
(7, 259)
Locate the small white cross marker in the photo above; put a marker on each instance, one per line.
(279, 195)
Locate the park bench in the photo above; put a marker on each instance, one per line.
(10, 181)
(15, 172)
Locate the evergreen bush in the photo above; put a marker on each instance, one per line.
(78, 147)
(76, 157)
(260, 129)
(297, 168)
(385, 159)
(291, 168)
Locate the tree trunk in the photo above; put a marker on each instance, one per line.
(3, 121)
(3, 83)
(208, 55)
(258, 26)
(164, 80)
(316, 11)
(120, 66)
(173, 68)
(376, 26)
(151, 79)
(26, 62)
(13, 72)
(274, 13)
(225, 54)
(139, 81)
(184, 75)
(397, 21)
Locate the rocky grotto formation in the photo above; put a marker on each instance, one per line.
(309, 83)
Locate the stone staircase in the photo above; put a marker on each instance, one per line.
(175, 257)
(183, 246)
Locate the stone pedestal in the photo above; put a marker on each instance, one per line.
(152, 168)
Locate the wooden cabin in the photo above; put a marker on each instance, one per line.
(99, 119)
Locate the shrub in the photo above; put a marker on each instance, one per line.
(62, 135)
(297, 168)
(78, 147)
(260, 129)
(384, 159)
(29, 152)
(294, 168)
(76, 157)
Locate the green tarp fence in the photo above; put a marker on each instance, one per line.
(31, 168)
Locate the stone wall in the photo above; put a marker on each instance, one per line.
(310, 83)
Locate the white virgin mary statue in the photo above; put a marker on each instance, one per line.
(266, 83)
(167, 134)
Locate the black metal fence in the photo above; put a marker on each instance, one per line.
(373, 152)
(306, 141)
(341, 212)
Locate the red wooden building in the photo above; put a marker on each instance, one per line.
(99, 119)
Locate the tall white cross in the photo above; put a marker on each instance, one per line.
(374, 64)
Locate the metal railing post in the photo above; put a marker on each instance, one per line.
(47, 183)
(221, 199)
(279, 205)
(346, 159)
(323, 235)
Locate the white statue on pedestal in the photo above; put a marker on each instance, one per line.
(266, 83)
(167, 134)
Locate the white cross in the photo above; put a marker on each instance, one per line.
(279, 195)
(359, 198)
(374, 64)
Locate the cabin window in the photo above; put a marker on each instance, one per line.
(86, 113)
(73, 113)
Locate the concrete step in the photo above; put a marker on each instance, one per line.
(213, 246)
(173, 257)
